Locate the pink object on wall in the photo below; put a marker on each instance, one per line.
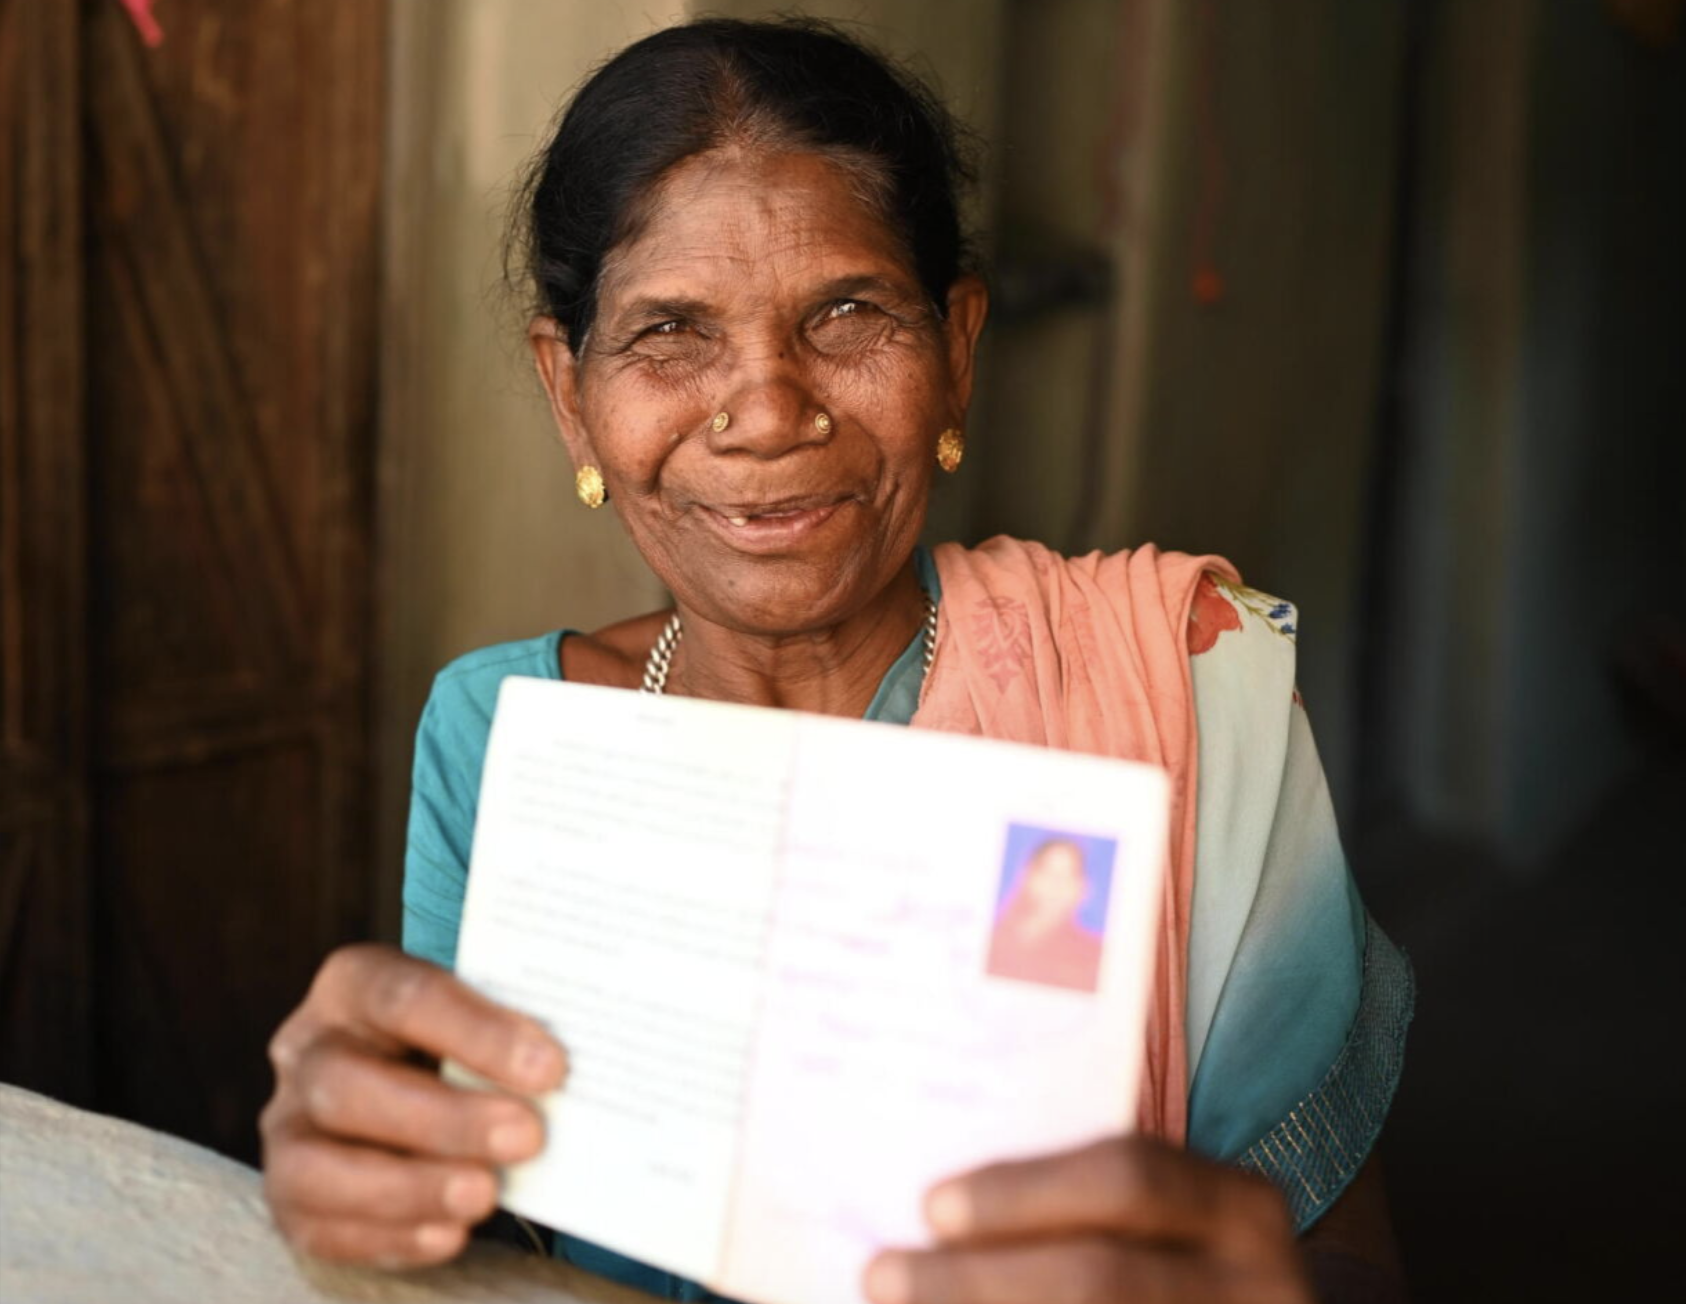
(141, 11)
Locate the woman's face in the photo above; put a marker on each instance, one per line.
(1054, 882)
(760, 286)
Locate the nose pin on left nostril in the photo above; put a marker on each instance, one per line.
(720, 422)
(822, 423)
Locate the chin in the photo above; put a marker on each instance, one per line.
(782, 596)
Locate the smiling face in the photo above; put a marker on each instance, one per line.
(762, 286)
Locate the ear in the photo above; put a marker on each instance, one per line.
(968, 305)
(559, 373)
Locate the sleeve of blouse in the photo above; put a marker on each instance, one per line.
(444, 794)
(1297, 1002)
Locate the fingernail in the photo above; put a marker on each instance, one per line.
(437, 1238)
(469, 1195)
(948, 1210)
(889, 1279)
(516, 1139)
(538, 1061)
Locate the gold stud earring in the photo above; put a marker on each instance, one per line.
(720, 422)
(588, 484)
(822, 423)
(951, 447)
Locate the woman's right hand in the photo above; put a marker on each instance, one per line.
(368, 1156)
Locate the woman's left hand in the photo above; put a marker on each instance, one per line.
(1124, 1219)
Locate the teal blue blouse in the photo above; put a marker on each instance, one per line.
(1297, 1003)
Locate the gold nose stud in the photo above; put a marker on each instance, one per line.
(822, 423)
(720, 422)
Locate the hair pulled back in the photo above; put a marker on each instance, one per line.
(780, 84)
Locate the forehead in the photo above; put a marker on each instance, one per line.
(736, 221)
(1061, 855)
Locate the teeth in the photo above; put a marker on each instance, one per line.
(768, 516)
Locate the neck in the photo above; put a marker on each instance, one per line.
(831, 671)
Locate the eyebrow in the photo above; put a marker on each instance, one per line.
(661, 307)
(848, 287)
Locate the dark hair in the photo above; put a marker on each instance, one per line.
(786, 83)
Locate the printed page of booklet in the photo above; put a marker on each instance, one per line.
(804, 968)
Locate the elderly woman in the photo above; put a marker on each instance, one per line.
(757, 332)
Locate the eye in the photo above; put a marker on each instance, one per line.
(670, 345)
(669, 337)
(849, 326)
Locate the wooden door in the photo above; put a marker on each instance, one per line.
(45, 1035)
(229, 182)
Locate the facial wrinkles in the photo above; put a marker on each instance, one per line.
(745, 260)
(749, 265)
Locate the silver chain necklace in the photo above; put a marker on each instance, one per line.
(661, 655)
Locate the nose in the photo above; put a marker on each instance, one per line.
(771, 409)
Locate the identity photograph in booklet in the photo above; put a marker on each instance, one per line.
(859, 918)
(1050, 917)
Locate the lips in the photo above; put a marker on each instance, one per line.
(743, 518)
(770, 526)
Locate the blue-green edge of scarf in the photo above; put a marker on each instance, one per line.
(1313, 1154)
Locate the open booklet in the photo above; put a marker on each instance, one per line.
(804, 968)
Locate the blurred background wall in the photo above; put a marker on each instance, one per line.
(1382, 301)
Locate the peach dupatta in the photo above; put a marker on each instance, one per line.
(1089, 654)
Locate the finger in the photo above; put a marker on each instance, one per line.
(412, 1004)
(318, 1177)
(385, 1245)
(1087, 1270)
(1130, 1186)
(345, 1091)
